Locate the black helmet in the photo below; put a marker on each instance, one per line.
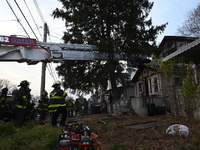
(24, 83)
(44, 93)
(56, 83)
(4, 90)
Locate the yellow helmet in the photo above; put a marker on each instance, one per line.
(56, 83)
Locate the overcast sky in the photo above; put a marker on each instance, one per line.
(172, 11)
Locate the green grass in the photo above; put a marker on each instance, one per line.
(29, 137)
(118, 146)
(112, 135)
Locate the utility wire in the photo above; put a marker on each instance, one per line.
(50, 72)
(38, 9)
(55, 74)
(33, 18)
(54, 71)
(19, 32)
(49, 66)
(17, 18)
(26, 19)
(49, 38)
(7, 20)
(56, 33)
(58, 28)
(42, 18)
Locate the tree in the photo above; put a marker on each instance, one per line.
(190, 90)
(191, 26)
(6, 83)
(169, 71)
(115, 27)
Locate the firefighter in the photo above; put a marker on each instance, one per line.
(22, 101)
(70, 107)
(43, 107)
(3, 103)
(85, 107)
(77, 107)
(57, 104)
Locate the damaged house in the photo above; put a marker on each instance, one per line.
(153, 94)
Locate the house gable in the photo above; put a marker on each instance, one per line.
(170, 44)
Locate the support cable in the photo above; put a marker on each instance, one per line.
(50, 72)
(33, 18)
(53, 71)
(17, 18)
(38, 9)
(26, 19)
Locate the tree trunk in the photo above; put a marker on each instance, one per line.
(113, 79)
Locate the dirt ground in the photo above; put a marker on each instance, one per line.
(113, 134)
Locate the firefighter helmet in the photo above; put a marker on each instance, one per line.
(44, 93)
(24, 83)
(5, 90)
(56, 83)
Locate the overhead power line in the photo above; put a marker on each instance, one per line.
(33, 18)
(38, 9)
(55, 74)
(17, 18)
(51, 72)
(26, 20)
(1, 20)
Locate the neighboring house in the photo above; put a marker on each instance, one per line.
(125, 90)
(152, 91)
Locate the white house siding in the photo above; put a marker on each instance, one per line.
(138, 104)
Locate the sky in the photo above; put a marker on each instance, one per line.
(172, 11)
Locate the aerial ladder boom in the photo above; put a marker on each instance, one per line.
(49, 52)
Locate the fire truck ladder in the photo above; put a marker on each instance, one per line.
(52, 52)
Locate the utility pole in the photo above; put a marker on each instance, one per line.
(44, 64)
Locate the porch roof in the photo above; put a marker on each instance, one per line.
(137, 74)
(190, 52)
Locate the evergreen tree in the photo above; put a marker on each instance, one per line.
(115, 27)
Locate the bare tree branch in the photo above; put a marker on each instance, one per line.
(191, 26)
